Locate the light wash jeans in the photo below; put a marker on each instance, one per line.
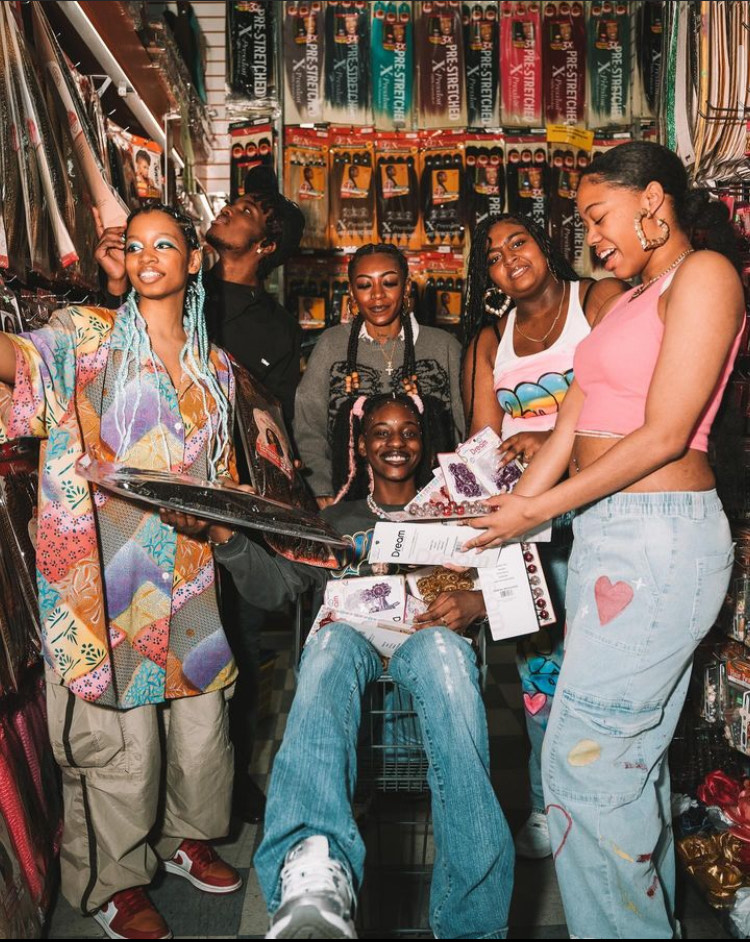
(539, 657)
(315, 770)
(646, 580)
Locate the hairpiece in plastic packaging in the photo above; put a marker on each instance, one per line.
(397, 189)
(482, 55)
(521, 77)
(649, 43)
(251, 144)
(303, 62)
(306, 181)
(442, 187)
(569, 149)
(392, 40)
(526, 175)
(352, 180)
(441, 81)
(564, 58)
(251, 44)
(308, 291)
(485, 176)
(608, 53)
(347, 63)
(440, 277)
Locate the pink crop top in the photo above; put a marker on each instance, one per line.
(614, 366)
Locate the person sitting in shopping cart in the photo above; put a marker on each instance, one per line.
(310, 863)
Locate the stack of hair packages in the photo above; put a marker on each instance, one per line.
(392, 45)
(306, 180)
(527, 174)
(564, 60)
(397, 189)
(484, 175)
(442, 182)
(482, 57)
(608, 29)
(251, 71)
(570, 152)
(352, 186)
(303, 62)
(521, 75)
(441, 73)
(347, 63)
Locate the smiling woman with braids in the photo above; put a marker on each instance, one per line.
(383, 350)
(130, 624)
(526, 313)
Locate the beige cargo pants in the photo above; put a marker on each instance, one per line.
(135, 784)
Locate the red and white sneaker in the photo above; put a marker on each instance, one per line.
(199, 863)
(130, 914)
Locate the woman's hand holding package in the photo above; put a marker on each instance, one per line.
(522, 445)
(515, 515)
(456, 610)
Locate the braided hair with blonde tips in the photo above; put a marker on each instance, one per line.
(475, 316)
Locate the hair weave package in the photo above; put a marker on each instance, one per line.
(649, 43)
(485, 176)
(564, 59)
(306, 181)
(569, 149)
(303, 62)
(608, 54)
(251, 144)
(347, 63)
(250, 49)
(441, 72)
(521, 76)
(442, 187)
(397, 189)
(442, 285)
(392, 44)
(352, 182)
(527, 175)
(307, 291)
(482, 55)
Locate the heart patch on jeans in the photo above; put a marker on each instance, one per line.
(534, 702)
(611, 599)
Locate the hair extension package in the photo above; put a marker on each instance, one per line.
(397, 189)
(441, 283)
(251, 144)
(569, 149)
(392, 42)
(303, 62)
(521, 76)
(441, 187)
(307, 291)
(339, 279)
(306, 181)
(608, 46)
(564, 59)
(482, 55)
(352, 205)
(441, 74)
(649, 36)
(251, 40)
(527, 175)
(347, 63)
(485, 176)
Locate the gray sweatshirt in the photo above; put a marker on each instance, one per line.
(321, 391)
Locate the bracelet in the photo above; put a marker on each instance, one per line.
(213, 543)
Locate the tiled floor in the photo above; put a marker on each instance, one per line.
(394, 897)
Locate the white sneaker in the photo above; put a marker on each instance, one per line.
(532, 841)
(317, 899)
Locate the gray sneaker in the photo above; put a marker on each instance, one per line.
(532, 841)
(317, 899)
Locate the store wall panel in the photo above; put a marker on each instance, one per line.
(212, 18)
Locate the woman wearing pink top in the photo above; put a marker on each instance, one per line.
(525, 315)
(652, 552)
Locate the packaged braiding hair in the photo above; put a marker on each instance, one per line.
(438, 30)
(482, 56)
(649, 43)
(485, 176)
(251, 42)
(340, 312)
(392, 41)
(251, 144)
(521, 77)
(307, 291)
(303, 62)
(306, 181)
(352, 181)
(442, 289)
(608, 54)
(527, 175)
(442, 187)
(569, 149)
(397, 189)
(564, 59)
(347, 63)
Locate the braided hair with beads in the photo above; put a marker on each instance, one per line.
(194, 356)
(485, 302)
(437, 421)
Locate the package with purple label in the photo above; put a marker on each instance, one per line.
(483, 453)
(460, 480)
(383, 597)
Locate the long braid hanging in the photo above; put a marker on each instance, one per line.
(351, 380)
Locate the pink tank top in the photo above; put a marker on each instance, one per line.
(531, 388)
(615, 364)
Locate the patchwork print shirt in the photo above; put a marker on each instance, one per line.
(128, 607)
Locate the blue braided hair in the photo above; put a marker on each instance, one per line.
(194, 356)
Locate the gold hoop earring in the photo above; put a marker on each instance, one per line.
(647, 244)
(500, 310)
